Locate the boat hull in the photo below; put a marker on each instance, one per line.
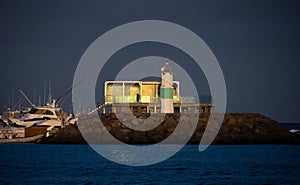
(22, 140)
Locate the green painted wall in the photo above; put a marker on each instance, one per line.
(166, 93)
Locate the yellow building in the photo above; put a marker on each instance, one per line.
(143, 97)
(135, 91)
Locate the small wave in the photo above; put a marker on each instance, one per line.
(295, 131)
(179, 168)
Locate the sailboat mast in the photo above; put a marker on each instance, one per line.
(12, 99)
(34, 95)
(45, 91)
(9, 102)
(50, 96)
(28, 100)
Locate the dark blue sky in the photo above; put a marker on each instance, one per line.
(256, 43)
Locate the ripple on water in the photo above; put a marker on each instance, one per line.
(79, 164)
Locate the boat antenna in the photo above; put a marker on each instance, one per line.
(12, 99)
(45, 91)
(50, 96)
(18, 103)
(21, 103)
(34, 95)
(28, 100)
(64, 99)
(67, 92)
(9, 102)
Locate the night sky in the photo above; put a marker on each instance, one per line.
(256, 43)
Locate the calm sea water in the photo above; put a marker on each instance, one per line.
(291, 125)
(70, 164)
(222, 164)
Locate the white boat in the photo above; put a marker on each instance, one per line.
(22, 140)
(13, 114)
(45, 116)
(295, 131)
(11, 132)
(50, 115)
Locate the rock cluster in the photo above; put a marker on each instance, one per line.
(237, 128)
(67, 135)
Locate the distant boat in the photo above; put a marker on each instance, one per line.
(49, 116)
(295, 131)
(45, 116)
(22, 140)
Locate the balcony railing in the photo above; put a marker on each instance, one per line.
(146, 99)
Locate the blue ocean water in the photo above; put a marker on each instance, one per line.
(219, 164)
(291, 125)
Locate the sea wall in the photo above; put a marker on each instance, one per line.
(237, 128)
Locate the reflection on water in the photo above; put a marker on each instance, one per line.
(137, 155)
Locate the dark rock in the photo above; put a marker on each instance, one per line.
(138, 137)
(231, 121)
(237, 128)
(170, 124)
(121, 134)
(108, 128)
(156, 135)
(115, 124)
(68, 135)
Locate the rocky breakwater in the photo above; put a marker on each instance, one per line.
(237, 128)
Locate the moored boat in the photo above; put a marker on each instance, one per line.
(22, 140)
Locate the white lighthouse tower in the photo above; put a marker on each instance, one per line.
(166, 89)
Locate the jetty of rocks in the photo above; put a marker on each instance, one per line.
(237, 128)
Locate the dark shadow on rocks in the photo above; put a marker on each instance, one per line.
(237, 128)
